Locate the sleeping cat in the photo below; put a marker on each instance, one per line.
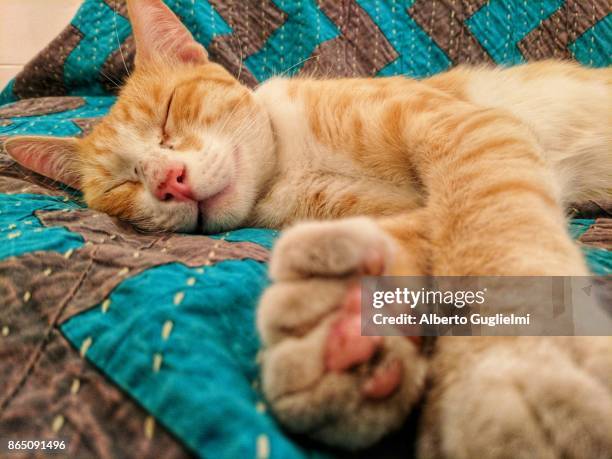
(464, 173)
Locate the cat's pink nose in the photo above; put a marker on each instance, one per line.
(174, 185)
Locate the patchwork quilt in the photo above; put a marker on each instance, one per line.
(137, 345)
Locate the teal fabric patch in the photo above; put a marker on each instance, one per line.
(578, 226)
(6, 95)
(590, 50)
(599, 260)
(22, 232)
(501, 24)
(96, 45)
(185, 347)
(201, 18)
(419, 56)
(291, 44)
(104, 30)
(59, 124)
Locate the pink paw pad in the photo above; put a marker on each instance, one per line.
(345, 347)
(384, 381)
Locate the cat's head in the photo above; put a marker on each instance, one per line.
(186, 147)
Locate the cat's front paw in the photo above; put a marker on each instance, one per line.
(524, 399)
(319, 375)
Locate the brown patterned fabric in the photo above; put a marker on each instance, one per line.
(564, 26)
(44, 75)
(49, 392)
(599, 234)
(76, 282)
(252, 23)
(592, 208)
(445, 22)
(120, 6)
(40, 106)
(113, 251)
(351, 53)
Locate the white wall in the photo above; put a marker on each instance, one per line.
(26, 26)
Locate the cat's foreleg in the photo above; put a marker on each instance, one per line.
(499, 213)
(521, 397)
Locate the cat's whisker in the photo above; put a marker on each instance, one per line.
(242, 127)
(284, 72)
(243, 130)
(111, 80)
(241, 63)
(287, 70)
(119, 43)
(229, 117)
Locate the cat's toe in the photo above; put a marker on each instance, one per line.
(352, 246)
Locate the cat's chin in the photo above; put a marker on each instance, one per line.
(213, 202)
(208, 220)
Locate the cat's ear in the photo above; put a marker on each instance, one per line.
(158, 33)
(53, 157)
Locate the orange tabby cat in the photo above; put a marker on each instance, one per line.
(464, 173)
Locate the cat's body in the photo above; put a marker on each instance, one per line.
(337, 154)
(464, 173)
(468, 173)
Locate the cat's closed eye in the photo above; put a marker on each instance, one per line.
(117, 186)
(165, 137)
